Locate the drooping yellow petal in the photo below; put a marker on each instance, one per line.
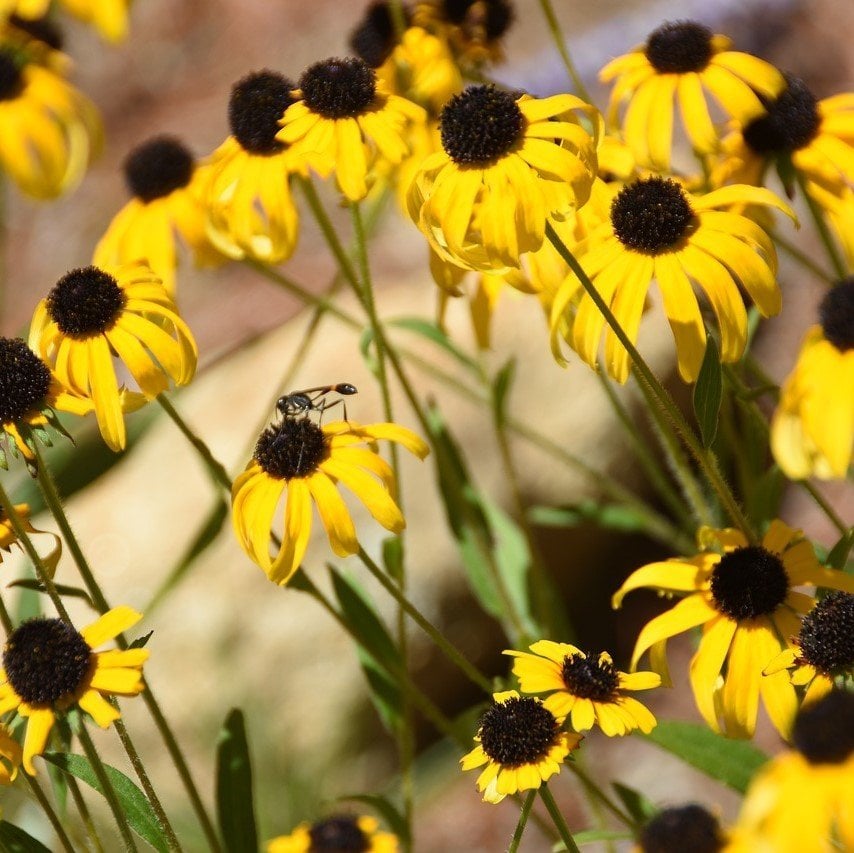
(110, 625)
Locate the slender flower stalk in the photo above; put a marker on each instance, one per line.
(705, 458)
(523, 820)
(558, 819)
(560, 43)
(840, 268)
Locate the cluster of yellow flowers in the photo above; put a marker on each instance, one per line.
(580, 210)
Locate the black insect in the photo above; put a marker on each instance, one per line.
(298, 404)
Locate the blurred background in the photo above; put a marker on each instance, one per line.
(225, 637)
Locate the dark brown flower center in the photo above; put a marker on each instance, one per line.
(46, 659)
(85, 302)
(340, 834)
(24, 380)
(158, 167)
(679, 47)
(836, 314)
(651, 215)
(375, 37)
(826, 639)
(494, 17)
(480, 125)
(680, 829)
(791, 122)
(518, 731)
(292, 448)
(11, 79)
(588, 677)
(339, 88)
(749, 582)
(257, 103)
(824, 731)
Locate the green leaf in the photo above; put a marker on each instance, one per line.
(838, 556)
(733, 762)
(394, 820)
(234, 801)
(65, 591)
(636, 804)
(500, 390)
(140, 816)
(360, 616)
(366, 340)
(609, 516)
(141, 642)
(707, 393)
(766, 492)
(205, 536)
(393, 556)
(13, 839)
(433, 333)
(588, 836)
(385, 692)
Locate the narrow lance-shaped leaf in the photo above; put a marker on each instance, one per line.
(234, 797)
(708, 392)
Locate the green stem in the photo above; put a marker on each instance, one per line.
(398, 17)
(523, 820)
(557, 818)
(662, 399)
(560, 44)
(448, 649)
(54, 503)
(595, 791)
(85, 814)
(833, 253)
(145, 781)
(42, 572)
(107, 790)
(214, 466)
(802, 258)
(50, 812)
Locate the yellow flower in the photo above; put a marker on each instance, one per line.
(800, 802)
(39, 39)
(746, 601)
(681, 62)
(345, 121)
(587, 688)
(29, 392)
(306, 463)
(48, 130)
(336, 833)
(507, 162)
(92, 314)
(521, 743)
(824, 648)
(49, 666)
(251, 211)
(109, 17)
(814, 138)
(812, 431)
(656, 230)
(167, 186)
(10, 756)
(474, 28)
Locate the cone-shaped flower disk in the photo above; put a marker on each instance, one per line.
(337, 833)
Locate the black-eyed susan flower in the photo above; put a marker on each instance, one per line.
(522, 744)
(585, 687)
(507, 162)
(682, 828)
(251, 211)
(801, 800)
(823, 651)
(40, 39)
(29, 392)
(92, 316)
(336, 834)
(345, 120)
(657, 230)
(167, 185)
(744, 597)
(474, 28)
(306, 463)
(375, 36)
(10, 756)
(812, 431)
(683, 62)
(48, 666)
(798, 133)
(48, 130)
